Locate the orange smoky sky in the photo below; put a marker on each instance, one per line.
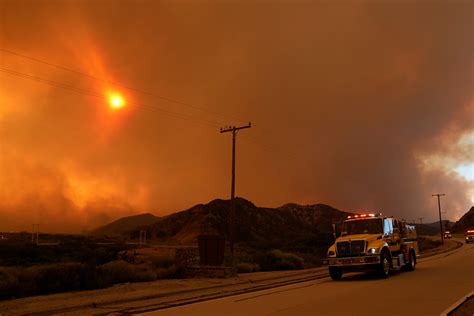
(356, 104)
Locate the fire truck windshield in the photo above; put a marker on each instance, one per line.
(362, 226)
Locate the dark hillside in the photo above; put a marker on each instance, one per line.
(125, 225)
(288, 227)
(431, 229)
(465, 222)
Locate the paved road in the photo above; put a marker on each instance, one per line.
(436, 284)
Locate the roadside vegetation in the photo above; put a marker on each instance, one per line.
(61, 277)
(270, 261)
(82, 250)
(299, 252)
(76, 264)
(425, 244)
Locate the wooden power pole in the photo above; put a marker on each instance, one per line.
(35, 234)
(440, 221)
(234, 130)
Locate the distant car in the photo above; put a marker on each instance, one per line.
(470, 236)
(447, 235)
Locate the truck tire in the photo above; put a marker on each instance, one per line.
(335, 273)
(411, 264)
(384, 268)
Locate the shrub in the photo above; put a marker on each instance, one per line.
(279, 260)
(58, 277)
(62, 277)
(91, 278)
(120, 271)
(176, 271)
(117, 271)
(161, 273)
(53, 278)
(8, 283)
(162, 261)
(425, 244)
(27, 282)
(245, 267)
(75, 250)
(143, 273)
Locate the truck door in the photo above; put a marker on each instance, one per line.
(396, 231)
(392, 238)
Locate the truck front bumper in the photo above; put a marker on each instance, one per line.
(351, 261)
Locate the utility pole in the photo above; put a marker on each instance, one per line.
(440, 221)
(234, 130)
(35, 233)
(142, 239)
(421, 220)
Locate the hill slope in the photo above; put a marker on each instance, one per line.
(125, 225)
(465, 222)
(433, 228)
(288, 226)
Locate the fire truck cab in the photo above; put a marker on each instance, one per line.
(372, 242)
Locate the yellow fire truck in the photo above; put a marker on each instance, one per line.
(372, 242)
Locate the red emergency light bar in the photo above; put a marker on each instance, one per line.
(363, 215)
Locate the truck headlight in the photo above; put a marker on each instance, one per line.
(372, 251)
(331, 253)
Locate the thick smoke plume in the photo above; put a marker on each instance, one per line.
(360, 105)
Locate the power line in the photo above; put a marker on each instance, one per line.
(117, 84)
(150, 108)
(98, 95)
(94, 94)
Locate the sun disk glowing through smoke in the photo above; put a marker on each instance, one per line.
(116, 101)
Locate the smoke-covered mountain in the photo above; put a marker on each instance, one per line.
(255, 227)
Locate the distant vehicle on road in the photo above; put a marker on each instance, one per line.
(447, 235)
(370, 242)
(470, 236)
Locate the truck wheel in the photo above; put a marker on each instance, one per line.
(410, 266)
(335, 273)
(384, 268)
